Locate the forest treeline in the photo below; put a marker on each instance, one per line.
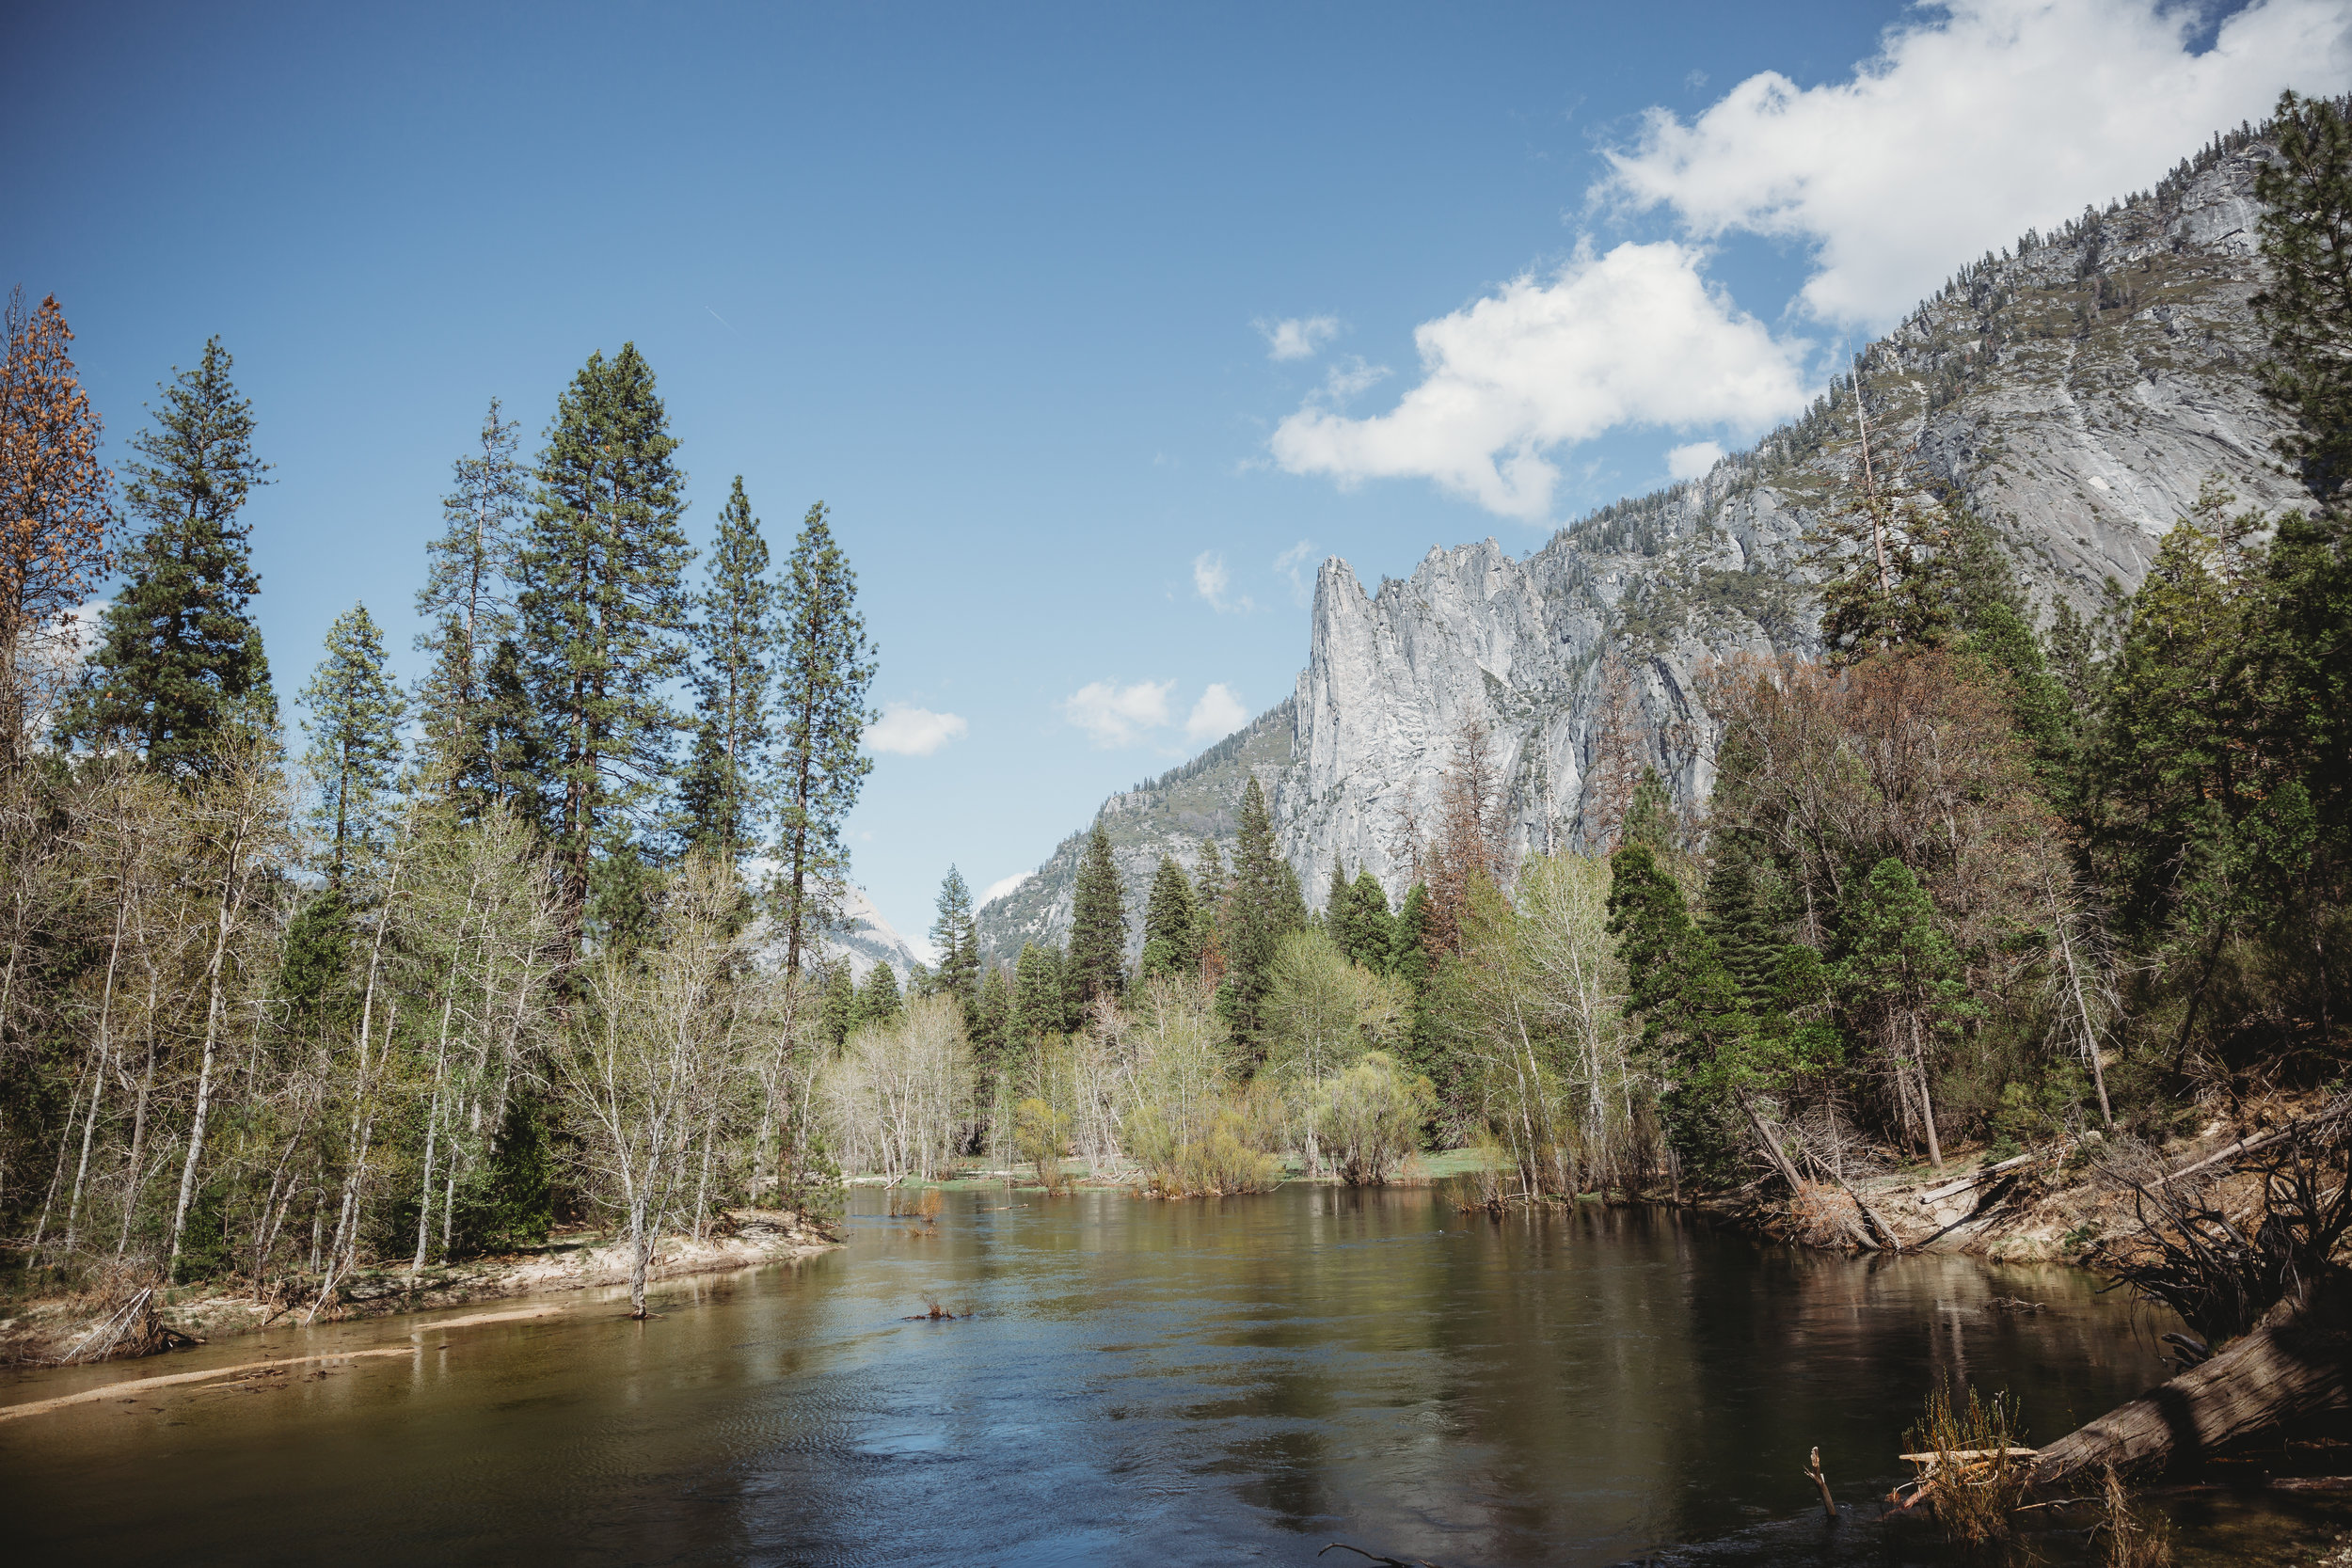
(545, 938)
(445, 965)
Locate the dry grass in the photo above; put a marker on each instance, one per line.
(1823, 1216)
(2134, 1539)
(1972, 1481)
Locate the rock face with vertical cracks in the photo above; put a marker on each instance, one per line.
(2075, 396)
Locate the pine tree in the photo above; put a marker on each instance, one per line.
(1737, 925)
(1899, 979)
(468, 571)
(1335, 912)
(354, 725)
(1650, 819)
(1878, 555)
(878, 1000)
(1693, 1020)
(839, 1008)
(603, 614)
(2307, 307)
(824, 666)
(180, 673)
(1266, 908)
(56, 512)
(1172, 924)
(1408, 944)
(726, 784)
(1036, 995)
(956, 937)
(1209, 892)
(1370, 938)
(1098, 925)
(990, 1031)
(2040, 713)
(515, 745)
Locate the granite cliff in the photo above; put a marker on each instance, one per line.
(2076, 392)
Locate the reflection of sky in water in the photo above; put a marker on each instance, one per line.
(1139, 1381)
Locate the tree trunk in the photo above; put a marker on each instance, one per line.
(1772, 1146)
(640, 1254)
(215, 1005)
(1926, 1104)
(2292, 1364)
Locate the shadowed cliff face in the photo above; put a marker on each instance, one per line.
(2076, 397)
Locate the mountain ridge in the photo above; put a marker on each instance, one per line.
(2075, 394)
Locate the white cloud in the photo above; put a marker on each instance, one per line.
(1003, 885)
(1292, 564)
(1344, 381)
(1974, 121)
(1692, 460)
(1210, 579)
(1216, 715)
(1633, 337)
(914, 732)
(1298, 336)
(1119, 714)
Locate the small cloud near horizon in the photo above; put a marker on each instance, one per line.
(914, 732)
(1216, 715)
(1296, 337)
(1114, 715)
(1210, 579)
(1693, 461)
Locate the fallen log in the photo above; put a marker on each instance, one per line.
(1935, 1196)
(2249, 1146)
(2292, 1365)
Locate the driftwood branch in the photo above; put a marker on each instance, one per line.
(1828, 1504)
(1935, 1196)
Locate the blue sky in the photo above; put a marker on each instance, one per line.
(1097, 327)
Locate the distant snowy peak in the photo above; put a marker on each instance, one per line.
(866, 938)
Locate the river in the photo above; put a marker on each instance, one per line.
(1124, 1382)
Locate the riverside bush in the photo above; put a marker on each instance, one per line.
(1369, 1118)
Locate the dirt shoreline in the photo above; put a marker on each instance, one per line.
(42, 1331)
(2054, 1203)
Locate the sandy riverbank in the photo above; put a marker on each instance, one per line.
(42, 1332)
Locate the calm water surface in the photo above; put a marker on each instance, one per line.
(1241, 1381)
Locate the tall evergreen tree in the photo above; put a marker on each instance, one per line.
(990, 1031)
(839, 1008)
(824, 666)
(1038, 1009)
(879, 999)
(1209, 890)
(180, 670)
(1371, 921)
(466, 601)
(604, 612)
(1171, 923)
(515, 742)
(1900, 980)
(1266, 908)
(1098, 925)
(1408, 940)
(1738, 923)
(728, 782)
(956, 937)
(354, 725)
